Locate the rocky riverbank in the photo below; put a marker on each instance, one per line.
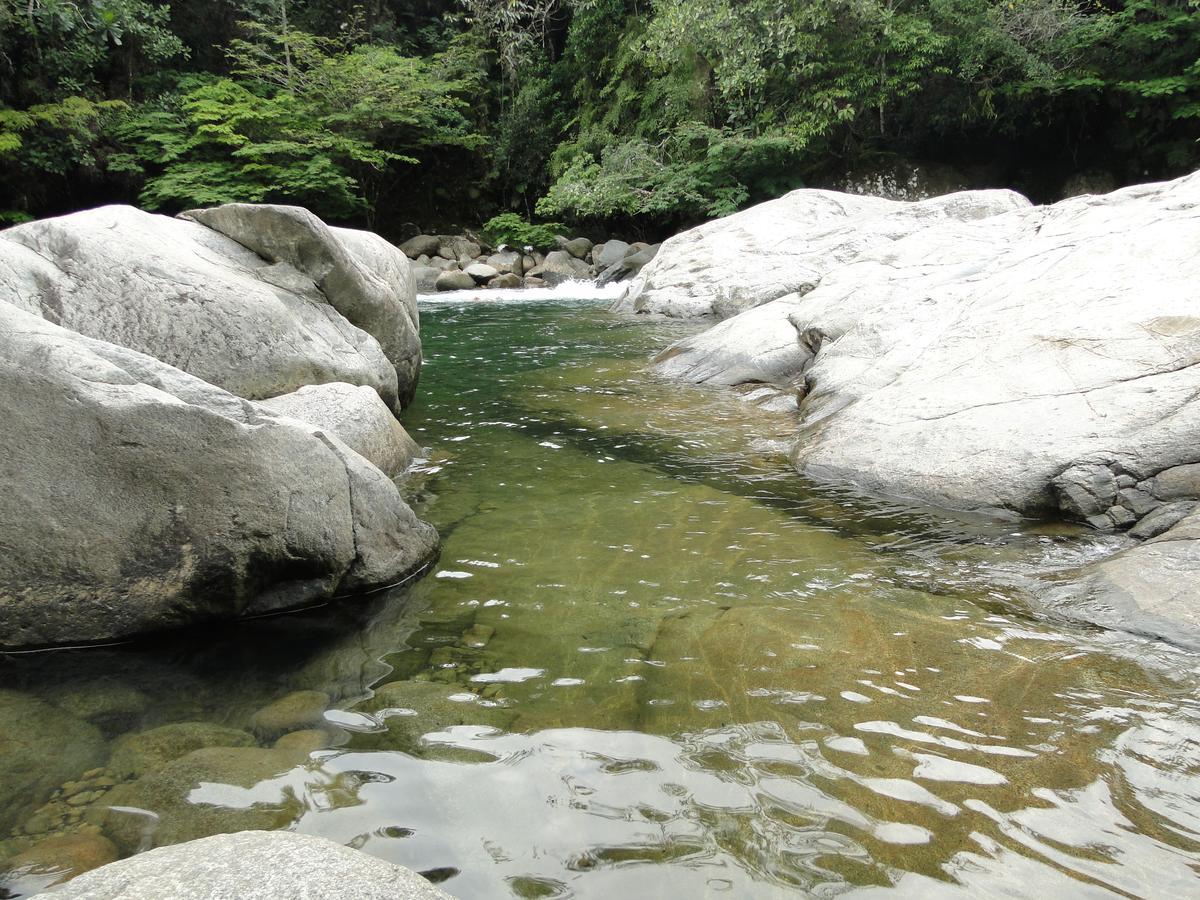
(976, 352)
(462, 262)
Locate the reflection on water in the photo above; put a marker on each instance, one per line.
(652, 661)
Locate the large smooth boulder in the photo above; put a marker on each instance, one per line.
(1023, 361)
(454, 280)
(366, 279)
(137, 498)
(507, 262)
(356, 416)
(41, 747)
(786, 246)
(629, 265)
(252, 865)
(481, 272)
(609, 253)
(257, 315)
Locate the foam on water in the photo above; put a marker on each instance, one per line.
(569, 290)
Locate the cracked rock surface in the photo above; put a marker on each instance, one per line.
(1042, 360)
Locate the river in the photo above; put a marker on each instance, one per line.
(652, 661)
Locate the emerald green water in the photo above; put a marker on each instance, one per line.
(653, 662)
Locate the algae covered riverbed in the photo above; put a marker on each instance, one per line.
(651, 660)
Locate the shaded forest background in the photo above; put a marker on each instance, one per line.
(632, 116)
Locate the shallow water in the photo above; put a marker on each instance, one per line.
(653, 661)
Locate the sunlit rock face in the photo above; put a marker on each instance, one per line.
(787, 246)
(1040, 360)
(259, 300)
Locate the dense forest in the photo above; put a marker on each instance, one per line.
(633, 115)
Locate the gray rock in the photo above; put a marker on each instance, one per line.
(205, 303)
(363, 277)
(356, 416)
(506, 262)
(1085, 490)
(185, 503)
(948, 351)
(1178, 483)
(578, 247)
(252, 865)
(422, 245)
(559, 267)
(139, 753)
(453, 280)
(457, 247)
(506, 281)
(528, 262)
(443, 265)
(786, 246)
(1149, 589)
(629, 265)
(41, 747)
(1160, 520)
(1137, 502)
(481, 272)
(425, 278)
(609, 253)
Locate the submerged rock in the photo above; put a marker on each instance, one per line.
(58, 859)
(135, 755)
(163, 501)
(356, 416)
(258, 300)
(252, 865)
(298, 710)
(206, 792)
(41, 748)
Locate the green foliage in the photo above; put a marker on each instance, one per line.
(509, 228)
(305, 123)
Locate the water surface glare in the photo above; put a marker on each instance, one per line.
(653, 662)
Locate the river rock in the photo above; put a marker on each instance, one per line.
(134, 755)
(108, 703)
(201, 301)
(190, 797)
(366, 279)
(41, 747)
(783, 247)
(609, 253)
(58, 859)
(578, 247)
(454, 280)
(164, 501)
(507, 262)
(298, 710)
(630, 265)
(425, 278)
(1149, 589)
(422, 245)
(356, 416)
(508, 281)
(252, 865)
(481, 272)
(458, 248)
(560, 266)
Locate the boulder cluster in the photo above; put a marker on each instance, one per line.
(461, 263)
(199, 419)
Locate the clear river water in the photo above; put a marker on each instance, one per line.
(652, 661)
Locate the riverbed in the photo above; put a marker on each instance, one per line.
(652, 661)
